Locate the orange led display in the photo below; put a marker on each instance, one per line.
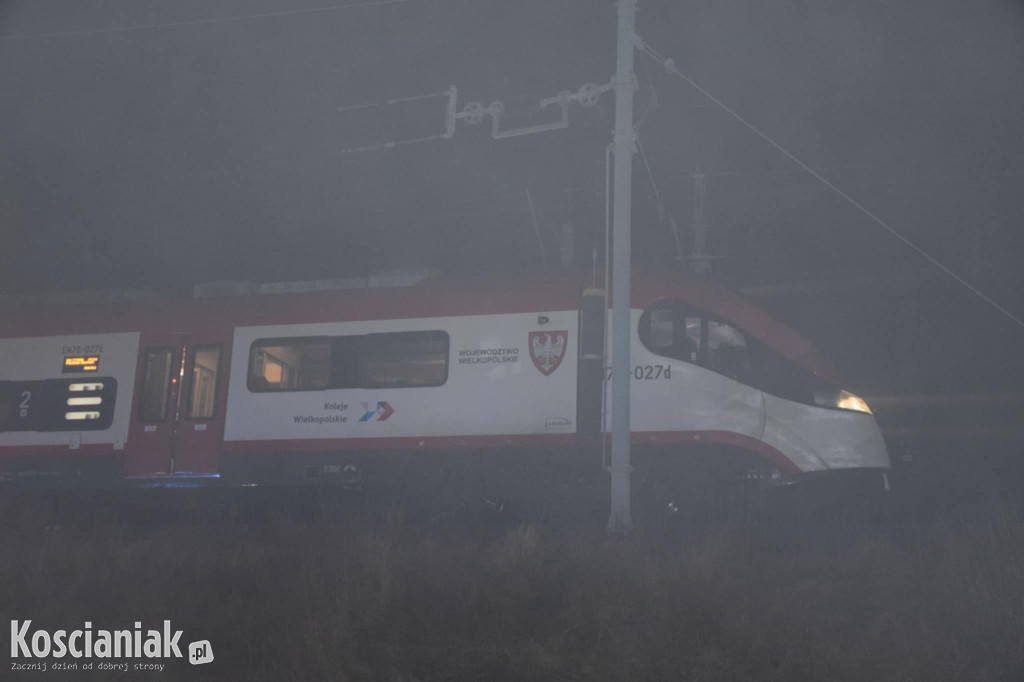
(81, 363)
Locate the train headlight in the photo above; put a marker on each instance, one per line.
(844, 400)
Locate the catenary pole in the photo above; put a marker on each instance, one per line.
(620, 521)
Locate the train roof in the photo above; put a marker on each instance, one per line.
(431, 297)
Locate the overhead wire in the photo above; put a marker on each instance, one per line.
(671, 68)
(663, 214)
(393, 143)
(396, 100)
(201, 22)
(388, 145)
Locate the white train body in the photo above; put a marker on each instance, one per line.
(441, 366)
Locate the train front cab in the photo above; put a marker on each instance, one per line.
(759, 414)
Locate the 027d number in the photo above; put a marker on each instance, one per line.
(645, 372)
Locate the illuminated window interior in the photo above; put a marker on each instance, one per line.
(205, 362)
(285, 364)
(388, 360)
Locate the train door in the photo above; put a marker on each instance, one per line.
(178, 423)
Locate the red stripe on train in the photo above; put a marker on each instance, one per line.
(554, 440)
(296, 446)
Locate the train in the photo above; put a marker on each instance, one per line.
(334, 386)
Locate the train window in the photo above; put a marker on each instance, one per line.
(676, 330)
(391, 360)
(299, 364)
(782, 378)
(156, 377)
(661, 328)
(670, 329)
(202, 397)
(346, 361)
(727, 351)
(405, 359)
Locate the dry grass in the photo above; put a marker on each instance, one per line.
(347, 598)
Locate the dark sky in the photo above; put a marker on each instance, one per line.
(163, 156)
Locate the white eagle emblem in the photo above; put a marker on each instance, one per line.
(547, 350)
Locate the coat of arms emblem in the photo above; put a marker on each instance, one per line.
(547, 350)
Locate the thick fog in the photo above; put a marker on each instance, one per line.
(863, 163)
(141, 146)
